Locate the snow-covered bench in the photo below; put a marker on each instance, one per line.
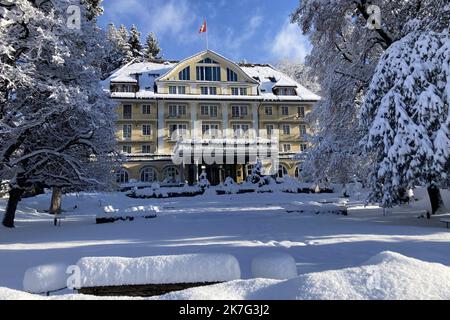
(110, 214)
(446, 221)
(157, 275)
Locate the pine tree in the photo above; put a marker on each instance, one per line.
(152, 49)
(135, 43)
(123, 44)
(407, 115)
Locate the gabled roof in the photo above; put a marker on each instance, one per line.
(213, 54)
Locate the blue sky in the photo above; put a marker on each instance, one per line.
(253, 30)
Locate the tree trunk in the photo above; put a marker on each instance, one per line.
(55, 205)
(435, 198)
(10, 212)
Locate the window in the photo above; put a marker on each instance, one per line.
(146, 109)
(208, 74)
(177, 130)
(208, 90)
(231, 75)
(210, 111)
(172, 90)
(282, 171)
(268, 111)
(171, 174)
(286, 147)
(210, 131)
(302, 129)
(239, 111)
(122, 176)
(126, 131)
(177, 110)
(181, 90)
(146, 129)
(146, 148)
(126, 149)
(148, 175)
(284, 111)
(301, 112)
(238, 91)
(127, 111)
(286, 92)
(185, 74)
(303, 147)
(269, 130)
(286, 129)
(177, 90)
(208, 60)
(240, 130)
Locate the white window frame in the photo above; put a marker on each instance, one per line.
(283, 108)
(180, 129)
(127, 133)
(144, 131)
(286, 129)
(287, 147)
(131, 111)
(128, 147)
(149, 146)
(268, 110)
(146, 109)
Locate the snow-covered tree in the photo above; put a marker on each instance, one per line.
(407, 115)
(56, 123)
(123, 44)
(257, 172)
(135, 43)
(152, 49)
(344, 55)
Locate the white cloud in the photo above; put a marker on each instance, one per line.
(290, 43)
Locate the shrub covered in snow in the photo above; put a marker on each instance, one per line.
(203, 182)
(192, 268)
(45, 278)
(274, 266)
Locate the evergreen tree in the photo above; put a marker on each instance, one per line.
(123, 44)
(152, 49)
(407, 115)
(135, 43)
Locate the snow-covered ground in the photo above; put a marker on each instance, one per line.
(245, 225)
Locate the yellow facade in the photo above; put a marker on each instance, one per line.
(145, 121)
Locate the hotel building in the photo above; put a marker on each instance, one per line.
(209, 100)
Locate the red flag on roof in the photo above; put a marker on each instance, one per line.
(203, 27)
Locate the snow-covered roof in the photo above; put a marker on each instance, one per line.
(149, 72)
(270, 78)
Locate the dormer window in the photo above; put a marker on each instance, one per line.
(286, 92)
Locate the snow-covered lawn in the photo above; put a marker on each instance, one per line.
(246, 226)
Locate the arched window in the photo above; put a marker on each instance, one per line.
(171, 174)
(122, 176)
(282, 171)
(148, 174)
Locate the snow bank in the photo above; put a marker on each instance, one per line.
(387, 276)
(111, 271)
(274, 266)
(45, 278)
(445, 195)
(10, 294)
